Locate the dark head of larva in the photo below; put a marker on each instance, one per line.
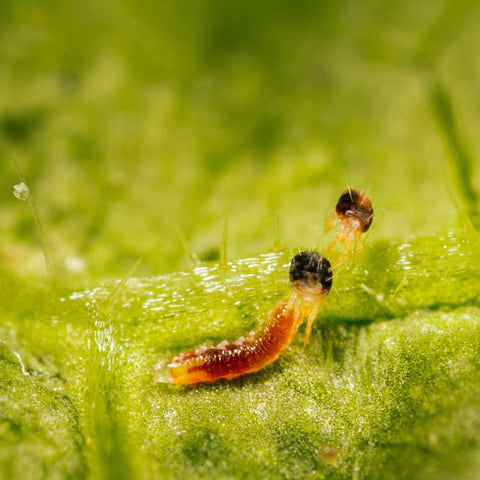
(310, 270)
(353, 203)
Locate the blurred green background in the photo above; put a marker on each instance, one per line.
(125, 116)
(144, 127)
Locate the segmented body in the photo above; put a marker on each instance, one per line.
(230, 359)
(311, 278)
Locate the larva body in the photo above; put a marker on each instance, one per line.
(311, 278)
(230, 359)
(354, 213)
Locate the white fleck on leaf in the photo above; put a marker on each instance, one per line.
(21, 191)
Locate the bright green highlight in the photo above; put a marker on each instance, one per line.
(386, 369)
(171, 131)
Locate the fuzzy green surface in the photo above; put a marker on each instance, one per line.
(139, 127)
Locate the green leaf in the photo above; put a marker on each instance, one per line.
(210, 140)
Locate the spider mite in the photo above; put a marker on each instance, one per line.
(311, 280)
(354, 212)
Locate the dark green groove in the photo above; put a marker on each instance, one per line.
(461, 161)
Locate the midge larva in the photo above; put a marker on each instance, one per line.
(311, 278)
(354, 212)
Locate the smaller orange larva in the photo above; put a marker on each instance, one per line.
(355, 215)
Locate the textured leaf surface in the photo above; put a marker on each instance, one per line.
(144, 129)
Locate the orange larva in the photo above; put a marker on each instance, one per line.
(311, 278)
(355, 214)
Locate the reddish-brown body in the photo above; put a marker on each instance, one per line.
(227, 360)
(311, 278)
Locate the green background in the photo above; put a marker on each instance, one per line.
(186, 134)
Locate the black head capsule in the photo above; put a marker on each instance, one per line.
(311, 271)
(353, 203)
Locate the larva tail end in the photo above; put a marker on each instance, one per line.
(161, 372)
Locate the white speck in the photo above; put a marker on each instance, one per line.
(21, 191)
(379, 297)
(76, 295)
(201, 350)
(260, 411)
(75, 264)
(170, 416)
(24, 371)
